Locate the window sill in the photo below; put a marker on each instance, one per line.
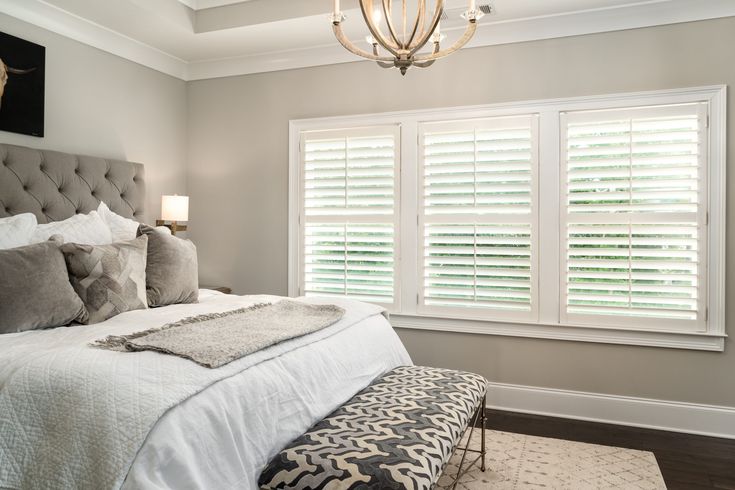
(671, 340)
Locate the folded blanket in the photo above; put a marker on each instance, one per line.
(216, 339)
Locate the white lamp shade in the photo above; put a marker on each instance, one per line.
(175, 208)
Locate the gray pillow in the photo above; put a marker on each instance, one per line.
(35, 289)
(172, 274)
(110, 279)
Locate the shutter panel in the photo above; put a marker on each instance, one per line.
(478, 217)
(478, 266)
(349, 176)
(349, 213)
(634, 219)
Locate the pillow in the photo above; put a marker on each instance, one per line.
(110, 279)
(86, 229)
(120, 227)
(172, 274)
(16, 231)
(35, 289)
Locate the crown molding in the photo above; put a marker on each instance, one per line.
(208, 4)
(629, 16)
(51, 18)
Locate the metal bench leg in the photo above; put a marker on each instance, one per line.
(478, 417)
(483, 449)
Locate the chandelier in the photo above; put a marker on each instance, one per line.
(404, 41)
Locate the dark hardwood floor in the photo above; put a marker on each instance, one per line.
(686, 461)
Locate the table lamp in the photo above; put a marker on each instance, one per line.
(173, 210)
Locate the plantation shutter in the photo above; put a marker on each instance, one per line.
(478, 217)
(635, 216)
(349, 213)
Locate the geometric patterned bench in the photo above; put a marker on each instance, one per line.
(397, 433)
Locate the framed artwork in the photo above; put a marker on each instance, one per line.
(22, 81)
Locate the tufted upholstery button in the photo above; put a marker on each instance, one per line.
(25, 187)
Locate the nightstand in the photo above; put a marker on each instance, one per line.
(221, 289)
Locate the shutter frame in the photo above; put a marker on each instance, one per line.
(354, 221)
(682, 218)
(488, 218)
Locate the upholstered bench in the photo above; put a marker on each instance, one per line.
(398, 433)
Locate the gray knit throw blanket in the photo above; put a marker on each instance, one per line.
(216, 339)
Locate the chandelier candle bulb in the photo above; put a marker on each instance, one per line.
(336, 7)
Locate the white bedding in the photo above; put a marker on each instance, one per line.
(217, 436)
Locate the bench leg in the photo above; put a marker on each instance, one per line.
(483, 449)
(478, 417)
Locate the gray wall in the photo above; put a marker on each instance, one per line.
(102, 105)
(238, 175)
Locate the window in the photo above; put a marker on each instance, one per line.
(348, 229)
(477, 216)
(591, 219)
(635, 181)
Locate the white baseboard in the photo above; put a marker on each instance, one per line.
(708, 420)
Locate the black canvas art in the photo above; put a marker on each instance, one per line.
(22, 76)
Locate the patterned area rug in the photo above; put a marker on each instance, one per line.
(516, 461)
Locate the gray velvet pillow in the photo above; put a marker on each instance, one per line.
(172, 274)
(110, 279)
(35, 289)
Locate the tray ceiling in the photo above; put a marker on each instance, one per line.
(195, 39)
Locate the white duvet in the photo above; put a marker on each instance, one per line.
(72, 416)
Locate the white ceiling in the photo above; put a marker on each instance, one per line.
(194, 39)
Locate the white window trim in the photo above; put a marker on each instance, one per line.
(548, 326)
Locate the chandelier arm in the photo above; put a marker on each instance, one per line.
(387, 11)
(422, 27)
(468, 33)
(434, 23)
(419, 21)
(424, 64)
(375, 30)
(337, 28)
(404, 19)
(382, 64)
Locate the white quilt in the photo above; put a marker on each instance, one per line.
(72, 416)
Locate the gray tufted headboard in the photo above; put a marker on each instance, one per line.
(55, 186)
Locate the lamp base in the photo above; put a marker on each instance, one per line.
(173, 226)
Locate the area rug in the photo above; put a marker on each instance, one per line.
(517, 461)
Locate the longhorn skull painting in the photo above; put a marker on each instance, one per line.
(6, 70)
(22, 72)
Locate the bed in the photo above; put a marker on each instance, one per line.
(75, 416)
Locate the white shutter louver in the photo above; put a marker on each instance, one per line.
(478, 217)
(349, 213)
(634, 212)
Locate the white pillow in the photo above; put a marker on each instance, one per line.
(120, 227)
(16, 231)
(84, 229)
